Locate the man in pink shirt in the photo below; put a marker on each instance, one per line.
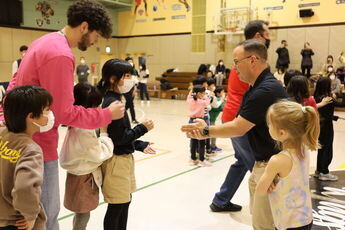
(50, 63)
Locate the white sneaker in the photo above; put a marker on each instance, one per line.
(193, 162)
(148, 102)
(205, 163)
(142, 102)
(328, 177)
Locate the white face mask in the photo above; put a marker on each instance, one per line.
(50, 123)
(332, 77)
(330, 69)
(131, 63)
(127, 86)
(82, 61)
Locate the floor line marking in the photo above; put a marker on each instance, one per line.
(342, 166)
(155, 155)
(157, 182)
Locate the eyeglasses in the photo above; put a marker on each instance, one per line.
(238, 61)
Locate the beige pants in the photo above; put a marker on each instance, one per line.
(118, 179)
(259, 205)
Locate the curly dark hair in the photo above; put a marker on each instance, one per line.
(92, 12)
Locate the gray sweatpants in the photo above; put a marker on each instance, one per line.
(213, 140)
(80, 221)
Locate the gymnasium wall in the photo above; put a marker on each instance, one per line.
(168, 51)
(324, 40)
(164, 52)
(55, 17)
(11, 39)
(287, 11)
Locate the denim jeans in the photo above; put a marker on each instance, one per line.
(245, 161)
(51, 194)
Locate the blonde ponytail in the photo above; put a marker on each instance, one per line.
(301, 122)
(312, 130)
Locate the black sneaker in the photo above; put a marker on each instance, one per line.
(230, 207)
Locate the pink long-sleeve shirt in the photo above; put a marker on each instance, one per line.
(197, 107)
(49, 63)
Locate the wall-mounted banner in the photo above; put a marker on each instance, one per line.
(340, 1)
(159, 19)
(178, 17)
(141, 20)
(309, 4)
(176, 7)
(274, 8)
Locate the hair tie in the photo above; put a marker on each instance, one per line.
(304, 110)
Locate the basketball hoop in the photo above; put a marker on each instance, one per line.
(231, 20)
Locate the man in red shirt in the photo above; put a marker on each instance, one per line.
(257, 29)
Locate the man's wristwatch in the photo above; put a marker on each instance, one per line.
(206, 131)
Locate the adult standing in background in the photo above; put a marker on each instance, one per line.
(131, 94)
(23, 49)
(220, 73)
(307, 62)
(283, 60)
(329, 62)
(83, 71)
(49, 63)
(144, 74)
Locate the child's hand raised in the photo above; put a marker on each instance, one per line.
(149, 149)
(148, 124)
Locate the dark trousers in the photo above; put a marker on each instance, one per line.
(208, 140)
(304, 69)
(143, 91)
(325, 154)
(129, 103)
(197, 145)
(245, 161)
(116, 217)
(9, 228)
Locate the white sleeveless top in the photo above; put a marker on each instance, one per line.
(291, 200)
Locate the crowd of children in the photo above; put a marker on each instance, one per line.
(205, 101)
(299, 125)
(92, 161)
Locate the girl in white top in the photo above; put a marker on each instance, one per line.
(81, 155)
(296, 129)
(143, 76)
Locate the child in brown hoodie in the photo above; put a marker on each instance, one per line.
(26, 111)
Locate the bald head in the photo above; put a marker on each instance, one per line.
(255, 47)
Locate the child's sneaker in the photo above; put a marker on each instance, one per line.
(216, 149)
(148, 102)
(193, 162)
(328, 177)
(205, 163)
(142, 102)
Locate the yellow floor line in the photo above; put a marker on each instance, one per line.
(164, 152)
(342, 167)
